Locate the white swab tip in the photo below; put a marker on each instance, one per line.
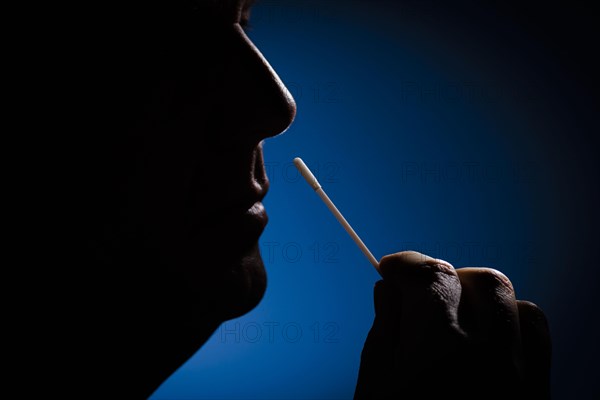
(299, 163)
(306, 173)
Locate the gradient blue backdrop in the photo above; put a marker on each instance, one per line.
(428, 137)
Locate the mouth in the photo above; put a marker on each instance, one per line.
(241, 230)
(235, 227)
(237, 217)
(254, 220)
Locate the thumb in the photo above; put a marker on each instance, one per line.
(388, 305)
(537, 348)
(377, 358)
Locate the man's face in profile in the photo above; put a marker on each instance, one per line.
(194, 106)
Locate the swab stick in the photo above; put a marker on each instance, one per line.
(312, 181)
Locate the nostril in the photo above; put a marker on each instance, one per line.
(260, 178)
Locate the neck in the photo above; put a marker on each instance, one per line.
(131, 355)
(153, 358)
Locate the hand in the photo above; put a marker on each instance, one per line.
(439, 331)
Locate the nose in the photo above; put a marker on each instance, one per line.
(263, 105)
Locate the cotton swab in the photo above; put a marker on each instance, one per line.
(312, 181)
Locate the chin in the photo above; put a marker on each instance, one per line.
(243, 284)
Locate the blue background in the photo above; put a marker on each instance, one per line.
(465, 138)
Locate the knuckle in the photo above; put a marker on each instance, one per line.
(486, 278)
(499, 278)
(412, 262)
(528, 305)
(493, 279)
(403, 257)
(532, 312)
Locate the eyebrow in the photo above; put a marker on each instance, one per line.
(242, 10)
(237, 4)
(243, 4)
(221, 9)
(234, 6)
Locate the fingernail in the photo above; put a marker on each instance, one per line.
(416, 258)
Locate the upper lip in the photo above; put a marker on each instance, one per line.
(246, 204)
(235, 196)
(248, 197)
(257, 212)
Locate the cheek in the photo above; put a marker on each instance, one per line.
(214, 266)
(158, 188)
(169, 159)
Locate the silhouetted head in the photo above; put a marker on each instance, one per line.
(173, 103)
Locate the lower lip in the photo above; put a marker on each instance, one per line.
(234, 226)
(255, 219)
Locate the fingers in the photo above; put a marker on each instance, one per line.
(415, 327)
(488, 313)
(377, 364)
(488, 309)
(426, 290)
(429, 315)
(419, 308)
(537, 350)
